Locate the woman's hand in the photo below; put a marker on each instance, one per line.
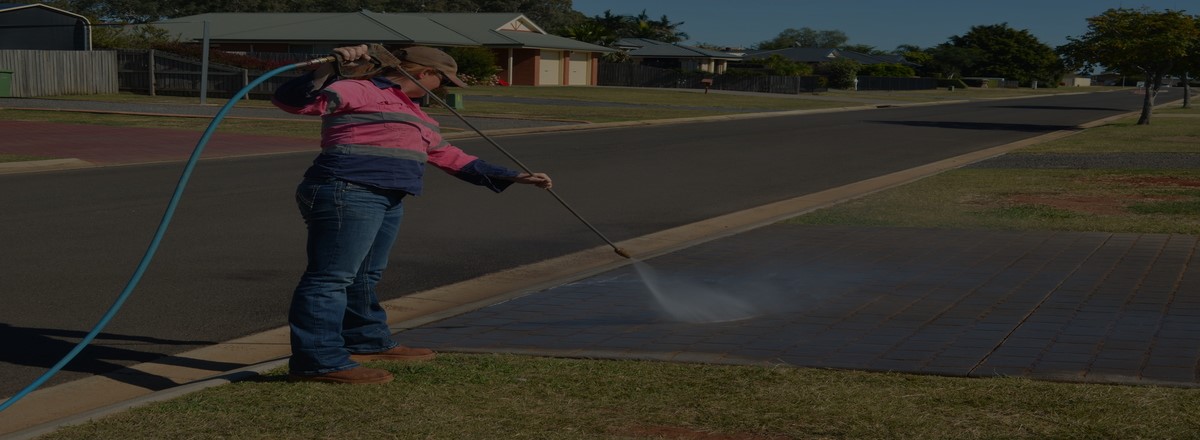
(353, 55)
(541, 180)
(349, 56)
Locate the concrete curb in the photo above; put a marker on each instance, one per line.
(31, 166)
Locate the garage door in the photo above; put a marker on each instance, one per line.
(578, 76)
(551, 68)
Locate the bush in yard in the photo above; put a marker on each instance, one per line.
(841, 72)
(476, 65)
(888, 70)
(778, 65)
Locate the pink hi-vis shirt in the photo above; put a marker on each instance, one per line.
(374, 135)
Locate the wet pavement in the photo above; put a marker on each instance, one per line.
(1081, 307)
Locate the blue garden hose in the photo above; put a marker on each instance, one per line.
(158, 234)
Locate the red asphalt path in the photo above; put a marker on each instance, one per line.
(104, 145)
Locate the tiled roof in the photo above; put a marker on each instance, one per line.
(647, 48)
(437, 29)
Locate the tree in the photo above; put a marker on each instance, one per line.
(948, 61)
(1135, 41)
(779, 65)
(805, 37)
(476, 65)
(1001, 51)
(590, 31)
(863, 49)
(551, 15)
(1189, 67)
(637, 26)
(841, 72)
(641, 26)
(888, 70)
(916, 55)
(143, 36)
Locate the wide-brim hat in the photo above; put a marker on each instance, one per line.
(434, 58)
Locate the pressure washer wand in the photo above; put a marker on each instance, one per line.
(439, 100)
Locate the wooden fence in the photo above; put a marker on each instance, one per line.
(60, 72)
(882, 83)
(636, 75)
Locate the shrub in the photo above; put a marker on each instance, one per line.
(888, 70)
(476, 65)
(841, 72)
(778, 65)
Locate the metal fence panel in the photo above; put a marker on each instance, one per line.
(60, 72)
(156, 72)
(636, 75)
(882, 83)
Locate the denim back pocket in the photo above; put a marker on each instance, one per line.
(309, 190)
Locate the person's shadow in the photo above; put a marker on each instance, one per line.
(43, 348)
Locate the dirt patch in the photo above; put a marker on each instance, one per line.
(1089, 204)
(682, 433)
(1154, 181)
(1182, 139)
(1101, 205)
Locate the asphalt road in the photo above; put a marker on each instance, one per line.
(231, 258)
(210, 110)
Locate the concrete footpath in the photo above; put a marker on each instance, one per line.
(746, 289)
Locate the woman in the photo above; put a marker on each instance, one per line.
(375, 142)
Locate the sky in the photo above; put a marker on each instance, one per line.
(883, 24)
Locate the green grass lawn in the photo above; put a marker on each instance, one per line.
(1110, 200)
(19, 157)
(309, 129)
(501, 397)
(942, 94)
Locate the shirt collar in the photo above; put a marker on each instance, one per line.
(383, 82)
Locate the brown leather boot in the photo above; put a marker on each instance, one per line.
(353, 376)
(398, 353)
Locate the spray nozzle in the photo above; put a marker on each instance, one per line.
(622, 252)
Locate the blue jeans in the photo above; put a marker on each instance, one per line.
(334, 311)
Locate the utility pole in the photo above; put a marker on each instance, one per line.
(204, 68)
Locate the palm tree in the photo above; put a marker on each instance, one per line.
(590, 31)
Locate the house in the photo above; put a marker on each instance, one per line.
(675, 56)
(1072, 79)
(40, 27)
(526, 54)
(815, 55)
